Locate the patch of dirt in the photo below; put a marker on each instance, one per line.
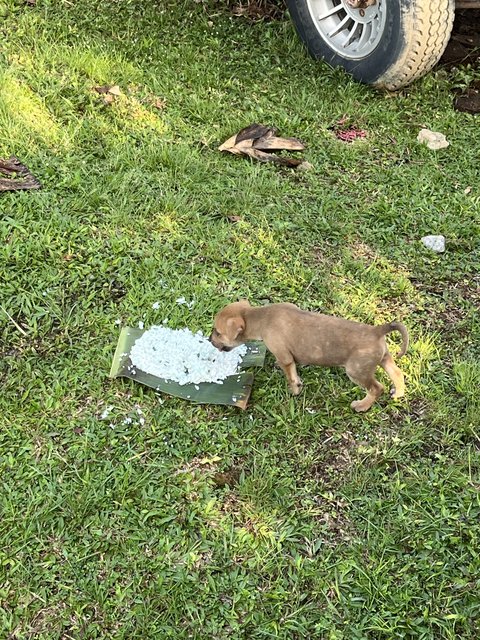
(334, 520)
(363, 251)
(469, 289)
(45, 621)
(205, 464)
(469, 100)
(257, 10)
(417, 410)
(455, 296)
(464, 45)
(208, 466)
(230, 477)
(231, 505)
(322, 259)
(331, 472)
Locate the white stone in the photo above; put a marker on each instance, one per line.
(435, 243)
(433, 139)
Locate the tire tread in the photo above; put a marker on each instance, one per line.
(427, 32)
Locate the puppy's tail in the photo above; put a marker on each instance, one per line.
(402, 329)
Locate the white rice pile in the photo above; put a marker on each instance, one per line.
(183, 356)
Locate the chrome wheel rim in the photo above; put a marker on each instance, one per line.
(351, 33)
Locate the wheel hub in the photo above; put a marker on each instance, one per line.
(351, 28)
(360, 4)
(360, 14)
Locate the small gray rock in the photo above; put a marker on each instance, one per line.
(435, 243)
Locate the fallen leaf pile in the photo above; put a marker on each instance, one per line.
(19, 177)
(258, 142)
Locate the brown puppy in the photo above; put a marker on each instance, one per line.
(296, 336)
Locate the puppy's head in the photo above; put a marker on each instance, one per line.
(229, 326)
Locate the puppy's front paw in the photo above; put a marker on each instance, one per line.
(296, 387)
(394, 394)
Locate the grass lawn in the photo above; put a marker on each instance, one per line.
(130, 515)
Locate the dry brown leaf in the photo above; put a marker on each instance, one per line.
(228, 144)
(263, 156)
(274, 143)
(255, 131)
(244, 144)
(13, 167)
(257, 141)
(115, 90)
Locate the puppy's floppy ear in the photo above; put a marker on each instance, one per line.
(235, 327)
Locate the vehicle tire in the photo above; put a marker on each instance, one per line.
(388, 44)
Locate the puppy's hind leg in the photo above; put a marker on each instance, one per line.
(395, 374)
(364, 378)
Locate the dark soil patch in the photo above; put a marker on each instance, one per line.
(417, 411)
(464, 45)
(333, 470)
(251, 10)
(230, 477)
(453, 300)
(256, 10)
(469, 100)
(333, 519)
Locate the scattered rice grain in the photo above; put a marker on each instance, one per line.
(106, 412)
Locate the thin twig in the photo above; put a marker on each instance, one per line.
(14, 322)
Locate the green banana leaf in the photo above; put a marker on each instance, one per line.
(234, 391)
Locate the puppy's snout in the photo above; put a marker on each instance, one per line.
(215, 344)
